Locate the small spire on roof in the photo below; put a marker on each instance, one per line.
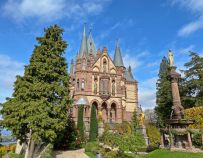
(118, 61)
(83, 46)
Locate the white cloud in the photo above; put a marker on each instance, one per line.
(49, 10)
(191, 27)
(196, 7)
(9, 68)
(131, 61)
(147, 93)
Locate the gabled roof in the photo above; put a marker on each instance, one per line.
(91, 45)
(118, 61)
(83, 46)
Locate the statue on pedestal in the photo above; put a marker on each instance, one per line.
(171, 58)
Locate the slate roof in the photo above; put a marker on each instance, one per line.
(118, 61)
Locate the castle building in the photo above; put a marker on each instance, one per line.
(96, 79)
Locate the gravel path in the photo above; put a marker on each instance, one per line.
(70, 154)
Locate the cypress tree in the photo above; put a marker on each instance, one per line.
(134, 122)
(192, 84)
(93, 124)
(40, 99)
(163, 94)
(80, 124)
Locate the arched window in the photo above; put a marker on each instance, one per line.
(104, 65)
(83, 85)
(113, 87)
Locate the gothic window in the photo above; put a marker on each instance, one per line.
(83, 85)
(104, 86)
(78, 84)
(104, 65)
(113, 87)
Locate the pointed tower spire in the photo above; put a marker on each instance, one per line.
(118, 61)
(83, 47)
(130, 72)
(72, 67)
(90, 44)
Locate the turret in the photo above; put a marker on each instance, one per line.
(118, 61)
(83, 46)
(91, 48)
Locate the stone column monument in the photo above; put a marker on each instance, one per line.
(180, 137)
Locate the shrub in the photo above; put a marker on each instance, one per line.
(111, 154)
(93, 125)
(154, 135)
(14, 155)
(196, 139)
(47, 153)
(195, 113)
(124, 127)
(91, 147)
(125, 142)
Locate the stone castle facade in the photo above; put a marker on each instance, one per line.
(98, 80)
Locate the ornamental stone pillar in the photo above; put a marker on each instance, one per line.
(177, 107)
(189, 140)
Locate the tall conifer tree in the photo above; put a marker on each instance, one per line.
(80, 124)
(163, 94)
(192, 85)
(40, 98)
(93, 124)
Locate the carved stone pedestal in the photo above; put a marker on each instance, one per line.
(100, 128)
(142, 130)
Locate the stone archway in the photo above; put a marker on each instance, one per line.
(113, 113)
(94, 103)
(104, 110)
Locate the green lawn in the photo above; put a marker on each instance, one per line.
(170, 154)
(160, 154)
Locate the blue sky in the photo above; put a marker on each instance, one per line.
(146, 30)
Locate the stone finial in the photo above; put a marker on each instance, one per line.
(104, 50)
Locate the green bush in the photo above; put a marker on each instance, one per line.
(124, 127)
(14, 155)
(47, 153)
(154, 135)
(111, 154)
(196, 139)
(92, 147)
(125, 142)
